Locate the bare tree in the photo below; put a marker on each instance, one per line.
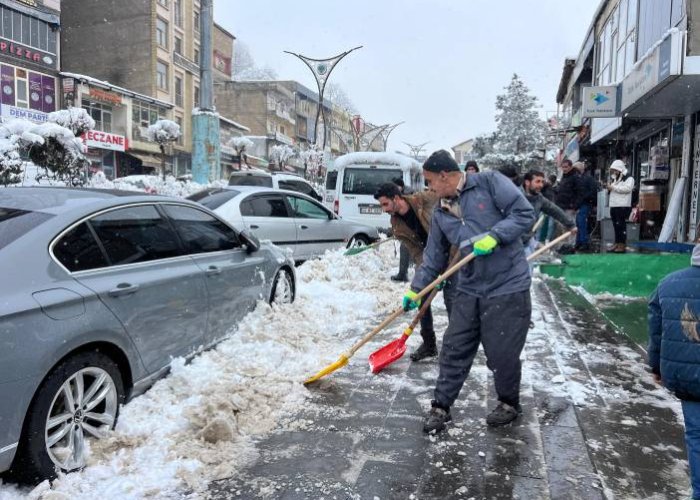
(338, 97)
(245, 68)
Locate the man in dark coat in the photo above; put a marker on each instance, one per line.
(674, 350)
(588, 194)
(486, 214)
(410, 224)
(568, 195)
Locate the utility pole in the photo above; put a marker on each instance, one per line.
(206, 142)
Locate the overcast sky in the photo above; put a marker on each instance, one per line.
(437, 65)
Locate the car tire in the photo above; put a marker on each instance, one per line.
(359, 240)
(282, 288)
(89, 369)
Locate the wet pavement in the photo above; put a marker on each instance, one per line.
(594, 425)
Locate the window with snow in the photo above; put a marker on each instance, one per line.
(101, 113)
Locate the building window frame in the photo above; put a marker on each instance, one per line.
(162, 75)
(162, 32)
(179, 89)
(177, 45)
(144, 114)
(101, 113)
(177, 13)
(27, 30)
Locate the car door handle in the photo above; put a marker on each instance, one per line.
(303, 227)
(123, 289)
(212, 271)
(254, 226)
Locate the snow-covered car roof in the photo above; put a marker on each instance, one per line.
(370, 158)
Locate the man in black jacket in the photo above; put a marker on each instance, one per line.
(588, 193)
(568, 195)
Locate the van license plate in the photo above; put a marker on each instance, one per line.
(371, 210)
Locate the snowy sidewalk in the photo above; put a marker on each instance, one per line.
(594, 426)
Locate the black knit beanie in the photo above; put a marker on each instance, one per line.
(440, 161)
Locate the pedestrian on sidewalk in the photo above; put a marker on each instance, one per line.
(588, 195)
(620, 187)
(404, 254)
(674, 350)
(486, 214)
(533, 182)
(410, 224)
(568, 197)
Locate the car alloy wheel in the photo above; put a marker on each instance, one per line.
(358, 241)
(85, 405)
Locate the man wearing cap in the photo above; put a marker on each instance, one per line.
(674, 350)
(486, 214)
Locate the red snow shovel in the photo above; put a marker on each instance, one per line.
(383, 357)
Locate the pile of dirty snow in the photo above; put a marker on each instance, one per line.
(202, 421)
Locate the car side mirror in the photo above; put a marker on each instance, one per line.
(251, 242)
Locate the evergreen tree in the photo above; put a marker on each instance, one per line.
(520, 130)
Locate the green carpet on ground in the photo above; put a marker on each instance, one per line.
(632, 275)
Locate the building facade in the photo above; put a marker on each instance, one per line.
(116, 145)
(29, 58)
(150, 47)
(631, 94)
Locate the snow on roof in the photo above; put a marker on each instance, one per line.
(369, 157)
(235, 124)
(109, 86)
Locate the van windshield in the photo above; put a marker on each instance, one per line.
(368, 180)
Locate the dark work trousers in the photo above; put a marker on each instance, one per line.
(404, 259)
(619, 216)
(500, 324)
(427, 330)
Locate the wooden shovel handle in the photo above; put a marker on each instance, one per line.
(452, 270)
(400, 310)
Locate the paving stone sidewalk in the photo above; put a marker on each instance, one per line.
(594, 426)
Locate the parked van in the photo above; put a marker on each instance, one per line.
(354, 178)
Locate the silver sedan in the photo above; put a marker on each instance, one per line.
(287, 218)
(101, 290)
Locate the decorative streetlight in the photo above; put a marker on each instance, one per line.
(321, 68)
(416, 149)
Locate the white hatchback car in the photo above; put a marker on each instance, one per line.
(276, 180)
(288, 219)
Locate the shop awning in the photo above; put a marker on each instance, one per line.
(679, 97)
(146, 159)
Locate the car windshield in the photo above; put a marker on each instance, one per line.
(367, 180)
(250, 180)
(15, 223)
(213, 199)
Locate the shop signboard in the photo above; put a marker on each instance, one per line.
(104, 140)
(695, 189)
(32, 115)
(660, 63)
(24, 53)
(600, 102)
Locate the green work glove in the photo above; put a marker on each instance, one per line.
(485, 245)
(411, 301)
(441, 285)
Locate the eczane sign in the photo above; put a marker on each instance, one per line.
(104, 140)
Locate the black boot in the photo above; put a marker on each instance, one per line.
(503, 414)
(399, 277)
(428, 348)
(436, 420)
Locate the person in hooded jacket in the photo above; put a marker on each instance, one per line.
(674, 350)
(620, 188)
(588, 193)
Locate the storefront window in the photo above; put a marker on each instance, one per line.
(143, 115)
(101, 113)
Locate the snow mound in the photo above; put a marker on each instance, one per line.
(201, 422)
